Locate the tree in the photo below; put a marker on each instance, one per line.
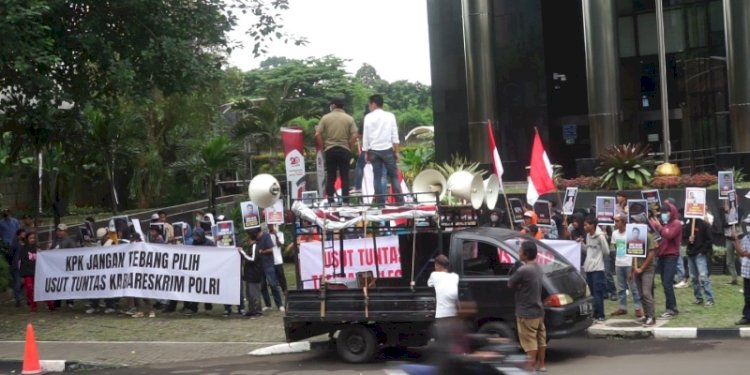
(214, 154)
(368, 76)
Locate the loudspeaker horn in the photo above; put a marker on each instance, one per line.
(467, 186)
(429, 181)
(491, 191)
(264, 190)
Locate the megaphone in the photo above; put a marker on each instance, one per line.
(467, 186)
(429, 181)
(491, 190)
(264, 190)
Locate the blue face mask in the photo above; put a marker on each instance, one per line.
(664, 217)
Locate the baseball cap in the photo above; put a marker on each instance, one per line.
(528, 214)
(154, 216)
(62, 226)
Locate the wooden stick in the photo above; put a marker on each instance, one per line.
(692, 227)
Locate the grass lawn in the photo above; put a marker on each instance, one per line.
(727, 310)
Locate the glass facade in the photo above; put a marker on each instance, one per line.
(541, 80)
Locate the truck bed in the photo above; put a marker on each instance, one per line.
(385, 305)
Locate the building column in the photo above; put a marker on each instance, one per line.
(480, 74)
(737, 30)
(602, 72)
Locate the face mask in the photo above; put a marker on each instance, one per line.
(493, 218)
(665, 217)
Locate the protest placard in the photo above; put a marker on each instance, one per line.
(224, 235)
(569, 206)
(543, 211)
(732, 215)
(637, 237)
(250, 215)
(605, 210)
(638, 208)
(726, 183)
(695, 203)
(358, 255)
(653, 199)
(516, 208)
(275, 213)
(139, 270)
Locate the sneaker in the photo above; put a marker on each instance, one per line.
(638, 313)
(137, 314)
(619, 312)
(90, 310)
(266, 308)
(131, 311)
(599, 320)
(742, 321)
(282, 309)
(642, 319)
(667, 315)
(188, 312)
(226, 313)
(109, 310)
(681, 285)
(152, 314)
(649, 322)
(698, 302)
(70, 304)
(709, 304)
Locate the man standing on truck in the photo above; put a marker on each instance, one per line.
(381, 143)
(527, 283)
(337, 135)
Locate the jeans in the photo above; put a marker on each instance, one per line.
(281, 277)
(681, 274)
(273, 283)
(667, 268)
(623, 285)
(385, 158)
(746, 292)
(645, 283)
(609, 272)
(698, 265)
(252, 292)
(598, 286)
(337, 161)
(731, 259)
(359, 174)
(17, 283)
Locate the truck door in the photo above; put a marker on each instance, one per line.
(484, 270)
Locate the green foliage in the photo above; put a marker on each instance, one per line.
(415, 160)
(457, 163)
(739, 175)
(625, 166)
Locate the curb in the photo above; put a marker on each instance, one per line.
(57, 365)
(289, 348)
(671, 333)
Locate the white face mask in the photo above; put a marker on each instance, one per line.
(494, 218)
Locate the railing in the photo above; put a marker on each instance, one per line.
(695, 161)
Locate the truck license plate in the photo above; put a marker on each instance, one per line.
(585, 308)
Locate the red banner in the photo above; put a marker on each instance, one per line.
(293, 139)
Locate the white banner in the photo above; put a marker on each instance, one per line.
(141, 270)
(358, 256)
(295, 173)
(570, 250)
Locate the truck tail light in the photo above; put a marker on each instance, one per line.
(557, 300)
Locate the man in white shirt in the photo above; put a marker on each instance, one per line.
(446, 288)
(380, 142)
(623, 268)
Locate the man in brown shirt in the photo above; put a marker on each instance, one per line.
(337, 134)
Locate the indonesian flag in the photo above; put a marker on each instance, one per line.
(496, 162)
(540, 172)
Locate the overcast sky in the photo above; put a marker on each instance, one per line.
(390, 35)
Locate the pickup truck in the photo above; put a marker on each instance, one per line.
(395, 312)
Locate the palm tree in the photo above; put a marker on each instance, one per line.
(265, 116)
(207, 160)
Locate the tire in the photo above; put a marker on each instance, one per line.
(356, 344)
(498, 329)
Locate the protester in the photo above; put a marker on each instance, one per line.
(743, 251)
(199, 239)
(336, 134)
(558, 220)
(62, 241)
(446, 289)
(527, 283)
(27, 268)
(595, 248)
(359, 168)
(731, 255)
(644, 273)
(670, 229)
(168, 228)
(104, 238)
(154, 236)
(621, 203)
(27, 223)
(8, 226)
(265, 247)
(278, 258)
(14, 257)
(252, 274)
(699, 248)
(623, 268)
(381, 142)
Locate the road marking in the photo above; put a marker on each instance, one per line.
(676, 333)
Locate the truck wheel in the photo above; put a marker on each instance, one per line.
(498, 329)
(356, 344)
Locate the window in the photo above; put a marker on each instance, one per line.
(626, 33)
(485, 259)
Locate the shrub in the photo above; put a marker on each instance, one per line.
(699, 180)
(582, 182)
(667, 182)
(625, 166)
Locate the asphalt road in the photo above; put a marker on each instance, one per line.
(569, 356)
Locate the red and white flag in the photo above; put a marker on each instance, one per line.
(540, 172)
(496, 162)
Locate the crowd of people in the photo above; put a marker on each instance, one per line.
(261, 257)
